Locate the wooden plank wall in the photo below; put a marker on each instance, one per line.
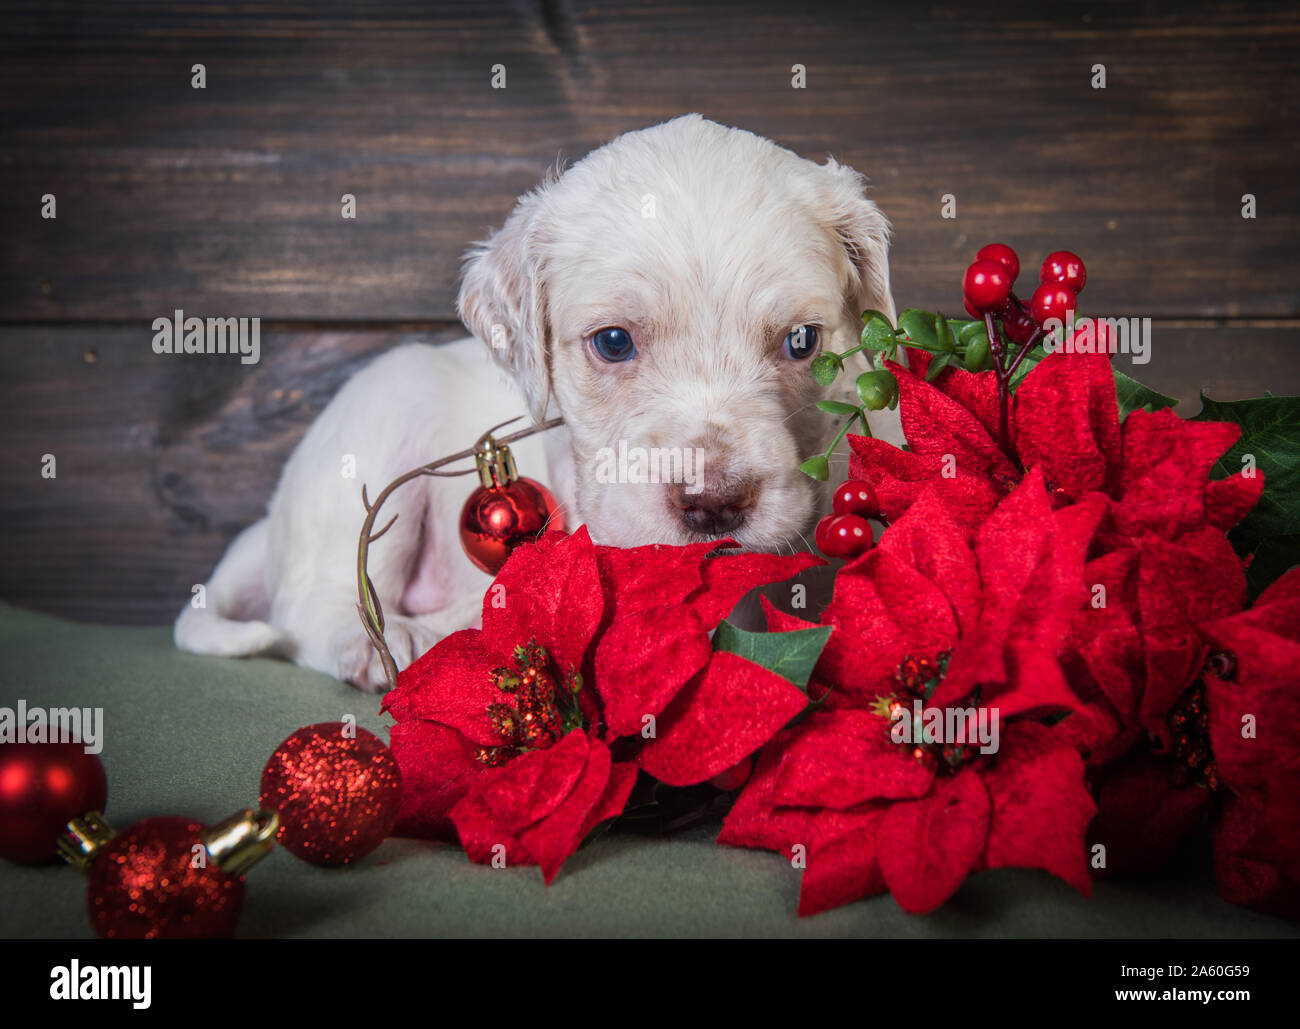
(224, 201)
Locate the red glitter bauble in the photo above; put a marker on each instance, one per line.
(42, 786)
(156, 880)
(496, 519)
(336, 788)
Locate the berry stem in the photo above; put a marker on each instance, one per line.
(1003, 375)
(1033, 341)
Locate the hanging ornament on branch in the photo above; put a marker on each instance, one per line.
(505, 511)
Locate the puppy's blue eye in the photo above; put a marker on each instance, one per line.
(801, 342)
(613, 344)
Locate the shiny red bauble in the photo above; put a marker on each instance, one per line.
(1003, 255)
(843, 536)
(1063, 268)
(336, 788)
(496, 519)
(157, 880)
(986, 285)
(42, 786)
(855, 497)
(1052, 302)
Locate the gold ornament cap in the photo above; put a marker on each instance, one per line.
(239, 842)
(496, 465)
(83, 838)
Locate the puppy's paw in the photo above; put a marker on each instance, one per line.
(359, 662)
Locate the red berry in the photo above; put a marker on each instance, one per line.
(1100, 343)
(734, 777)
(975, 313)
(856, 497)
(986, 285)
(1017, 324)
(1064, 269)
(1050, 301)
(1004, 256)
(843, 535)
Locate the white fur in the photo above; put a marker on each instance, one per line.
(747, 241)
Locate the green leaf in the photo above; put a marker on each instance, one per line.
(817, 468)
(791, 655)
(969, 330)
(978, 357)
(836, 407)
(943, 335)
(1270, 435)
(878, 333)
(1132, 395)
(919, 326)
(936, 366)
(826, 368)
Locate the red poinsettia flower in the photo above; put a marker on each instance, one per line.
(937, 620)
(1253, 704)
(524, 735)
(1154, 468)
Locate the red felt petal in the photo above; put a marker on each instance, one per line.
(1228, 501)
(1161, 483)
(1067, 422)
(643, 659)
(722, 715)
(841, 758)
(936, 425)
(882, 612)
(754, 819)
(1040, 805)
(551, 840)
(927, 539)
(898, 476)
(637, 578)
(1144, 815)
(438, 767)
(782, 621)
(1246, 873)
(551, 594)
(728, 577)
(842, 869)
(451, 684)
(531, 786)
(926, 847)
(482, 836)
(622, 777)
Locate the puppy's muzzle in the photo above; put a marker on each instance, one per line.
(714, 511)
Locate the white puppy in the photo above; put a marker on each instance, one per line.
(667, 292)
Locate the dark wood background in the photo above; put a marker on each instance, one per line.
(225, 202)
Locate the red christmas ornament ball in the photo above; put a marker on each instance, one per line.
(42, 786)
(337, 790)
(157, 881)
(496, 519)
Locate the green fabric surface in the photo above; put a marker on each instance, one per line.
(186, 735)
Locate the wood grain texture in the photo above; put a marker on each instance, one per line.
(161, 460)
(225, 201)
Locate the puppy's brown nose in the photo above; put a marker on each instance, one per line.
(713, 512)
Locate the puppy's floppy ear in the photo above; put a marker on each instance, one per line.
(502, 300)
(863, 230)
